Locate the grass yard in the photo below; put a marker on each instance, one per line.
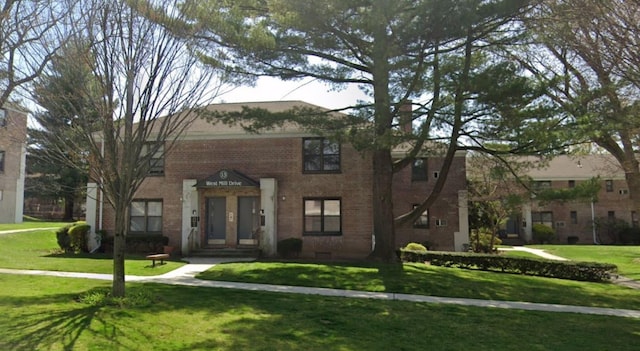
(417, 278)
(627, 258)
(43, 313)
(39, 250)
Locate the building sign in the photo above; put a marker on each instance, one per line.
(226, 179)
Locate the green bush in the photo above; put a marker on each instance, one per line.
(78, 237)
(480, 241)
(572, 240)
(63, 239)
(290, 247)
(543, 233)
(582, 271)
(415, 247)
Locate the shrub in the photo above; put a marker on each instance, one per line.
(480, 241)
(629, 235)
(415, 247)
(572, 240)
(151, 243)
(290, 247)
(78, 237)
(63, 239)
(543, 233)
(583, 271)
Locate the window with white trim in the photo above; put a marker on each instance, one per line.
(423, 220)
(156, 162)
(1, 161)
(3, 117)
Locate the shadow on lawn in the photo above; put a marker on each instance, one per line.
(36, 329)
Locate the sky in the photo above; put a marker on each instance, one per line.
(311, 91)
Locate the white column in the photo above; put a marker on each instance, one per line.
(20, 185)
(90, 217)
(189, 204)
(461, 237)
(268, 203)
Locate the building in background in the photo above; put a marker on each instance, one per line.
(13, 140)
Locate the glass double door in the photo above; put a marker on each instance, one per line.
(232, 220)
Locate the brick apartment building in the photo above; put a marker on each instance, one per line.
(576, 218)
(252, 190)
(13, 141)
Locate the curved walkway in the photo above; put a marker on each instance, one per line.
(185, 275)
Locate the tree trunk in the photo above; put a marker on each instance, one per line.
(69, 204)
(119, 246)
(383, 225)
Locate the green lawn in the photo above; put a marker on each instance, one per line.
(429, 280)
(39, 250)
(627, 258)
(49, 317)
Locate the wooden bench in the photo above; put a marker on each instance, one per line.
(161, 257)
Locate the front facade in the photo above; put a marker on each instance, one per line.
(13, 140)
(220, 187)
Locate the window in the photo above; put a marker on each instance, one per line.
(1, 161)
(634, 219)
(146, 217)
(0, 195)
(542, 185)
(608, 184)
(423, 220)
(321, 155)
(322, 217)
(441, 222)
(3, 117)
(545, 217)
(419, 170)
(572, 184)
(156, 162)
(574, 217)
(611, 215)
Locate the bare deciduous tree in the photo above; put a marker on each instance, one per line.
(144, 91)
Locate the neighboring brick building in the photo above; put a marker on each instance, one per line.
(252, 190)
(13, 141)
(575, 218)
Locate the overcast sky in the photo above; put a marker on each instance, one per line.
(271, 89)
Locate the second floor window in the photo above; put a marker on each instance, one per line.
(608, 185)
(156, 163)
(1, 161)
(3, 117)
(320, 155)
(419, 170)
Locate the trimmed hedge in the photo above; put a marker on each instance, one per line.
(582, 271)
(78, 235)
(151, 243)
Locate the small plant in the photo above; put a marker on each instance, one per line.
(290, 247)
(63, 238)
(543, 233)
(415, 247)
(78, 237)
(102, 297)
(481, 241)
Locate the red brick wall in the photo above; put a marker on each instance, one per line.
(279, 158)
(407, 193)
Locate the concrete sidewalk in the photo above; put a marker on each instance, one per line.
(25, 230)
(185, 276)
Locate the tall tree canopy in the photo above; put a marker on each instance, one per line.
(436, 53)
(58, 156)
(585, 52)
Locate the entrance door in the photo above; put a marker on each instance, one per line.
(216, 220)
(248, 220)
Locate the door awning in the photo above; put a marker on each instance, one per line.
(226, 178)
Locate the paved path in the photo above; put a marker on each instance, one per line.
(24, 230)
(185, 275)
